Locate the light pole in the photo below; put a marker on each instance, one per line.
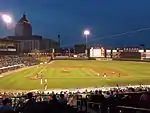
(86, 34)
(7, 19)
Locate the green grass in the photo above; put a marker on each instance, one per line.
(78, 74)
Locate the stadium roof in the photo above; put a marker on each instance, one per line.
(7, 40)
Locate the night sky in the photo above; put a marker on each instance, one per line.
(70, 17)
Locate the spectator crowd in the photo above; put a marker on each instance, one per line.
(73, 102)
(12, 62)
(6, 61)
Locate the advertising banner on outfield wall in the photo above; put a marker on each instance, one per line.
(141, 51)
(108, 53)
(114, 53)
(148, 54)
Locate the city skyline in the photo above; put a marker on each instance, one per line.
(69, 19)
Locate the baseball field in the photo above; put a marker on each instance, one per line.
(64, 74)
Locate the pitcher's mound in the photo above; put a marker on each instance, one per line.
(65, 71)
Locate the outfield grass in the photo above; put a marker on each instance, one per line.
(79, 74)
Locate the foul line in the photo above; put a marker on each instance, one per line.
(41, 69)
(93, 71)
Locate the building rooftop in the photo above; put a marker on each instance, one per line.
(23, 27)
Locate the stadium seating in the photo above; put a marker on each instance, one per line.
(127, 100)
(12, 62)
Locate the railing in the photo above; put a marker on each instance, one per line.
(92, 107)
(19, 65)
(126, 109)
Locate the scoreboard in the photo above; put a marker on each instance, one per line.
(97, 52)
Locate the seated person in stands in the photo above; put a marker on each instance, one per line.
(73, 101)
(6, 107)
(62, 99)
(30, 104)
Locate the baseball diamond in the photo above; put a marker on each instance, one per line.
(61, 74)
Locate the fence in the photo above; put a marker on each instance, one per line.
(126, 109)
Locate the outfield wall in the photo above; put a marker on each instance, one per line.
(127, 59)
(102, 59)
(70, 58)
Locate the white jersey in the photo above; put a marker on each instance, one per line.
(41, 81)
(45, 80)
(45, 84)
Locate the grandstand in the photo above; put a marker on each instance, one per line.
(8, 47)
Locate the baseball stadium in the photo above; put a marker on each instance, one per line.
(73, 81)
(29, 72)
(37, 75)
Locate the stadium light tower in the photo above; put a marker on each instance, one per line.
(7, 19)
(86, 34)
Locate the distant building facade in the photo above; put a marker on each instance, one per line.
(79, 48)
(28, 42)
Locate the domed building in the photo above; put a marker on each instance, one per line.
(23, 27)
